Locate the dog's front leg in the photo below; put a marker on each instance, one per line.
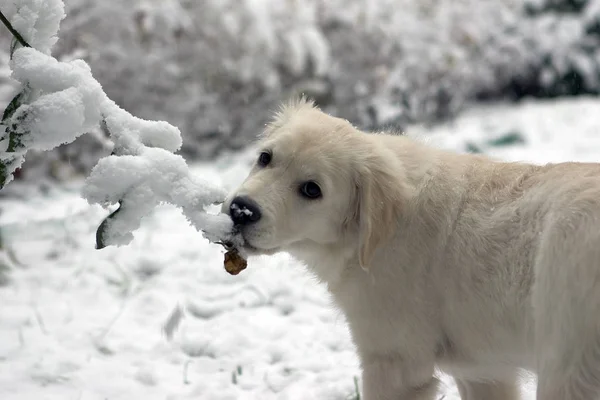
(392, 378)
(508, 390)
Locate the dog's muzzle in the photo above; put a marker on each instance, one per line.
(244, 211)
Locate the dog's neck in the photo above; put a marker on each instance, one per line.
(326, 262)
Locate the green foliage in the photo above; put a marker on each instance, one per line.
(15, 142)
(356, 395)
(508, 139)
(473, 148)
(557, 6)
(5, 262)
(556, 73)
(15, 138)
(235, 374)
(5, 170)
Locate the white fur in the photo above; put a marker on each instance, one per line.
(439, 260)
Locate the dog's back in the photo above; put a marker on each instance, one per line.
(511, 252)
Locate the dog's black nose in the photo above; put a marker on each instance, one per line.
(244, 211)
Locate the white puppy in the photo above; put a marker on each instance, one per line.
(438, 260)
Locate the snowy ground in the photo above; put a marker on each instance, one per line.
(82, 324)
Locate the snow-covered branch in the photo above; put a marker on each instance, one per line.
(61, 100)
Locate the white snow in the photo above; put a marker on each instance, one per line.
(81, 323)
(52, 120)
(145, 180)
(141, 173)
(236, 210)
(77, 323)
(160, 318)
(36, 20)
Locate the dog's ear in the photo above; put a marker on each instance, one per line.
(382, 191)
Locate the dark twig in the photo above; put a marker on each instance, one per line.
(101, 231)
(12, 30)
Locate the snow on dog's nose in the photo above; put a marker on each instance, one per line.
(244, 211)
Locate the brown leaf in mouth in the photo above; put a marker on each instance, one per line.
(234, 262)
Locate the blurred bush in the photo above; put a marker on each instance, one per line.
(215, 67)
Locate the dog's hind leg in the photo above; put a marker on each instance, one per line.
(578, 381)
(488, 390)
(566, 305)
(572, 370)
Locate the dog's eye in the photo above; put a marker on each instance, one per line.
(310, 190)
(264, 159)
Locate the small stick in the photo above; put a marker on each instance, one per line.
(12, 30)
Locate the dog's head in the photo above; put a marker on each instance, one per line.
(318, 181)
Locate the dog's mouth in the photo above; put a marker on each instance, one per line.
(257, 251)
(245, 247)
(249, 248)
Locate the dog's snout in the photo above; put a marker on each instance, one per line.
(244, 211)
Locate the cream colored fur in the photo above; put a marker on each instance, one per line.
(439, 260)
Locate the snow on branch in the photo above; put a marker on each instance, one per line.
(60, 101)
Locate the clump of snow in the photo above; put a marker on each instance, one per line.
(143, 170)
(52, 120)
(37, 21)
(143, 181)
(131, 134)
(236, 210)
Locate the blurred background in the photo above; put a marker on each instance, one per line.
(215, 67)
(515, 79)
